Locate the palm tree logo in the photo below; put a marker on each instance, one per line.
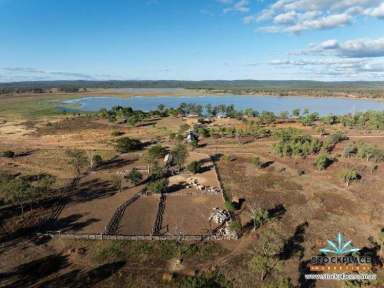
(339, 247)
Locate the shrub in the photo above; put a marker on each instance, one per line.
(300, 172)
(194, 167)
(350, 175)
(117, 133)
(134, 176)
(257, 162)
(280, 283)
(97, 160)
(117, 182)
(309, 119)
(126, 144)
(349, 151)
(323, 161)
(204, 132)
(229, 206)
(8, 154)
(235, 226)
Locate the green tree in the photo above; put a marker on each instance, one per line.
(180, 154)
(97, 160)
(259, 217)
(17, 191)
(134, 176)
(152, 156)
(296, 112)
(158, 186)
(284, 115)
(280, 283)
(266, 259)
(126, 144)
(43, 184)
(78, 159)
(194, 167)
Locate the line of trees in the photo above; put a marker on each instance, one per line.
(18, 190)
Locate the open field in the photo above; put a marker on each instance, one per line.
(305, 205)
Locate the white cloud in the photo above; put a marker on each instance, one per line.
(346, 68)
(285, 18)
(357, 48)
(239, 6)
(11, 74)
(376, 12)
(299, 15)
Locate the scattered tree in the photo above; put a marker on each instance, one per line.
(179, 154)
(266, 258)
(259, 217)
(78, 160)
(97, 160)
(158, 186)
(117, 181)
(17, 191)
(194, 167)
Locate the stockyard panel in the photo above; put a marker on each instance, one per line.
(140, 216)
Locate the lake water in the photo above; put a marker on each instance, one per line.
(324, 106)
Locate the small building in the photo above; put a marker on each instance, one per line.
(191, 136)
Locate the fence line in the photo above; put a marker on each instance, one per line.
(102, 237)
(113, 224)
(159, 216)
(218, 178)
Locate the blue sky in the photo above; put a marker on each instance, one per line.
(191, 40)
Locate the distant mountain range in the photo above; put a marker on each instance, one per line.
(206, 84)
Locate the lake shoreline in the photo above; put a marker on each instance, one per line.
(275, 104)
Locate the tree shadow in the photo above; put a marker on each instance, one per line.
(304, 269)
(78, 279)
(293, 245)
(94, 189)
(372, 252)
(277, 212)
(24, 154)
(27, 275)
(266, 164)
(176, 187)
(115, 163)
(216, 157)
(71, 223)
